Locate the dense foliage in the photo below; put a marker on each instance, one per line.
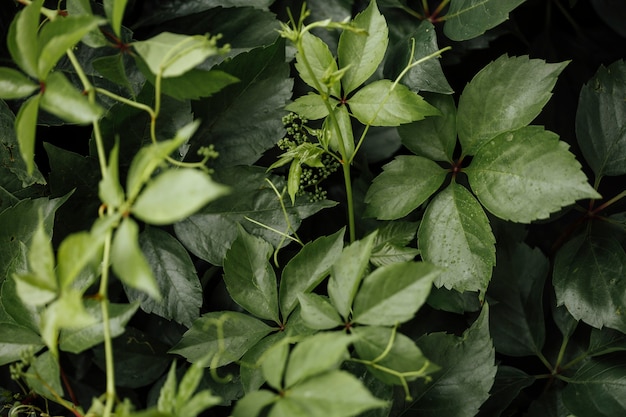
(339, 208)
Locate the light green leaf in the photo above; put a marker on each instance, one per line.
(167, 395)
(467, 19)
(310, 106)
(129, 263)
(307, 269)
(76, 340)
(14, 85)
(404, 357)
(393, 293)
(22, 38)
(220, 337)
(175, 276)
(17, 340)
(249, 276)
(110, 190)
(44, 376)
(59, 35)
(273, 363)
(455, 234)
(347, 273)
(589, 279)
(433, 137)
(316, 355)
(527, 174)
(321, 63)
(171, 54)
(176, 194)
(114, 10)
(345, 134)
(62, 99)
(467, 372)
(505, 95)
(251, 374)
(391, 241)
(360, 53)
(601, 121)
(95, 38)
(318, 313)
(252, 404)
(331, 394)
(25, 129)
(598, 388)
(405, 184)
(384, 103)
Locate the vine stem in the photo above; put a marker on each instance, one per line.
(108, 340)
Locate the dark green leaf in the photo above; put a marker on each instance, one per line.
(14, 84)
(467, 19)
(175, 276)
(505, 95)
(249, 276)
(384, 103)
(516, 299)
(44, 376)
(527, 174)
(598, 388)
(507, 386)
(273, 363)
(467, 372)
(405, 184)
(221, 337)
(308, 268)
(601, 120)
(589, 280)
(15, 341)
(426, 76)
(454, 301)
(455, 234)
(603, 341)
(433, 137)
(347, 273)
(246, 116)
(62, 99)
(393, 293)
(113, 68)
(360, 53)
(22, 38)
(252, 374)
(403, 358)
(14, 310)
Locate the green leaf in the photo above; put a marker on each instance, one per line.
(433, 137)
(17, 340)
(25, 129)
(506, 388)
(321, 63)
(393, 293)
(110, 190)
(467, 19)
(259, 99)
(600, 121)
(360, 53)
(345, 134)
(527, 174)
(318, 313)
(598, 388)
(467, 372)
(455, 234)
(589, 280)
(604, 341)
(113, 68)
(516, 299)
(176, 194)
(14, 85)
(129, 263)
(384, 103)
(427, 76)
(63, 100)
(209, 233)
(389, 246)
(220, 337)
(405, 184)
(14, 310)
(316, 355)
(331, 394)
(22, 38)
(249, 276)
(44, 376)
(252, 373)
(59, 35)
(347, 273)
(310, 106)
(79, 339)
(307, 269)
(95, 38)
(273, 363)
(253, 403)
(393, 357)
(171, 54)
(114, 10)
(175, 276)
(505, 95)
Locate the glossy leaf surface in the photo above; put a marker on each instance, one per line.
(467, 19)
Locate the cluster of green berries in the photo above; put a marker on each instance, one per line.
(311, 177)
